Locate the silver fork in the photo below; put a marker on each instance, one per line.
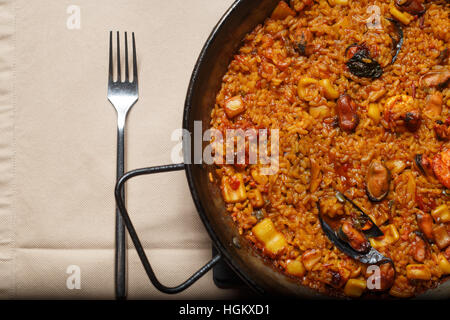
(122, 95)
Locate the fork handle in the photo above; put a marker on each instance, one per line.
(120, 252)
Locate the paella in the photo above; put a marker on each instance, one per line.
(357, 93)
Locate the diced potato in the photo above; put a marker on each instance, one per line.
(403, 17)
(355, 287)
(233, 189)
(296, 268)
(390, 236)
(418, 272)
(282, 11)
(273, 240)
(276, 244)
(258, 177)
(330, 91)
(319, 112)
(441, 214)
(234, 106)
(444, 264)
(255, 198)
(374, 112)
(264, 230)
(310, 258)
(441, 236)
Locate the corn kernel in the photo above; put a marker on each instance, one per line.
(330, 91)
(355, 287)
(230, 194)
(418, 271)
(234, 106)
(390, 236)
(319, 112)
(256, 198)
(296, 268)
(302, 84)
(403, 17)
(374, 112)
(444, 264)
(273, 240)
(258, 177)
(441, 214)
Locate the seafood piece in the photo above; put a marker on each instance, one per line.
(377, 181)
(361, 63)
(402, 113)
(441, 167)
(346, 111)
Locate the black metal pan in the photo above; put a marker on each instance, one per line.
(242, 17)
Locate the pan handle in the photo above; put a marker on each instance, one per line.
(134, 237)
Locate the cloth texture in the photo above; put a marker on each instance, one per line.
(58, 147)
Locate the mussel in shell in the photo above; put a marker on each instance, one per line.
(361, 64)
(355, 238)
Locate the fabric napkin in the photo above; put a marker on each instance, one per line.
(58, 147)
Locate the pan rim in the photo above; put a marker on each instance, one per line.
(188, 167)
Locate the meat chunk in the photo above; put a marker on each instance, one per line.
(425, 222)
(441, 167)
(336, 277)
(402, 113)
(442, 129)
(447, 253)
(386, 278)
(433, 105)
(419, 249)
(353, 237)
(346, 112)
(303, 42)
(414, 7)
(435, 78)
(424, 164)
(234, 106)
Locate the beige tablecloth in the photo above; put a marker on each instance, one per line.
(58, 144)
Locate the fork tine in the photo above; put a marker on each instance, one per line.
(126, 59)
(110, 75)
(119, 77)
(135, 74)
